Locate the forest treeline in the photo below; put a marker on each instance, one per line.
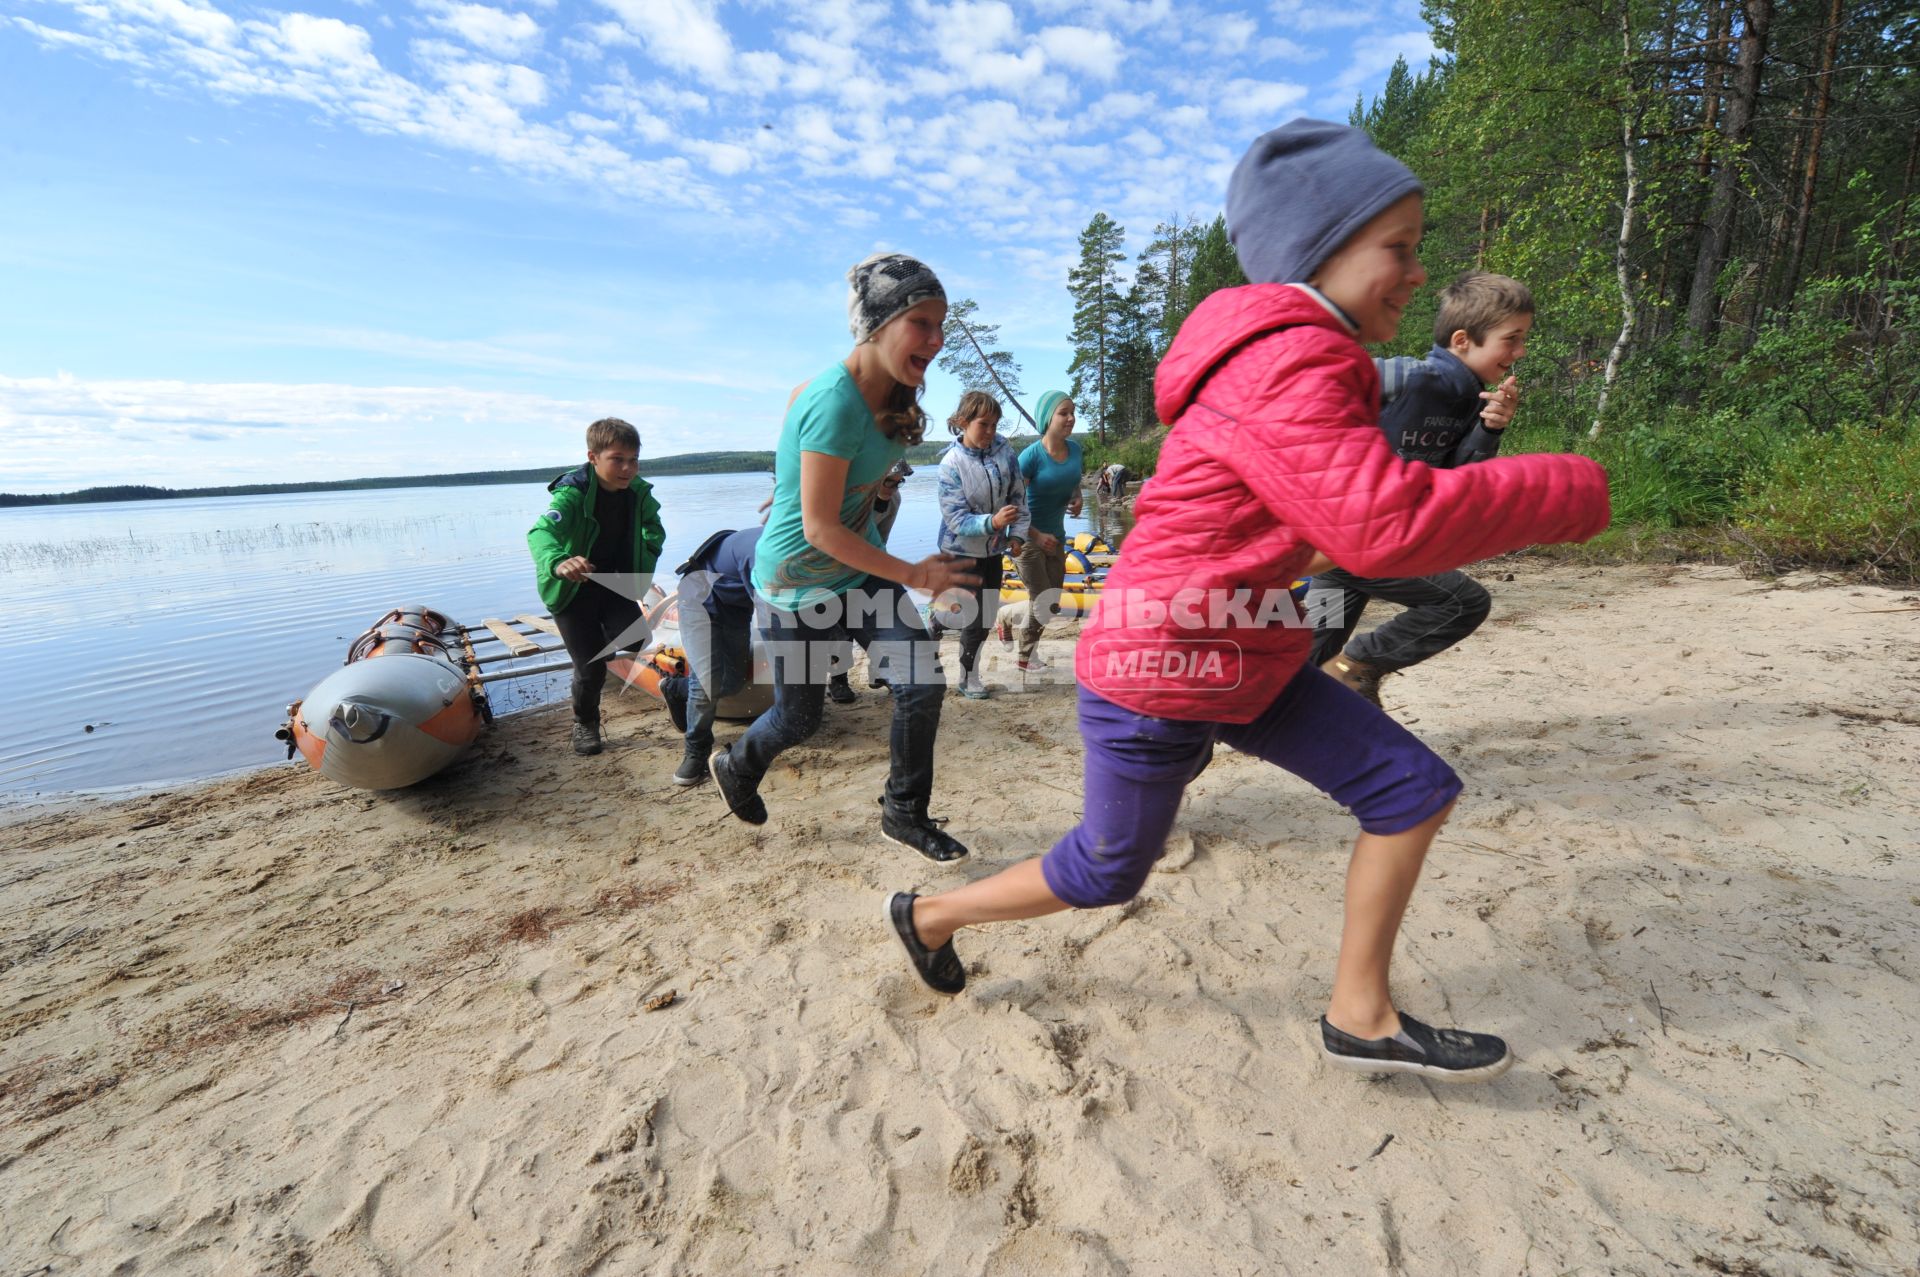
(684, 463)
(1716, 205)
(927, 453)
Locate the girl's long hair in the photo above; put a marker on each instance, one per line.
(901, 417)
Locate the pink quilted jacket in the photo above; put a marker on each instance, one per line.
(1274, 453)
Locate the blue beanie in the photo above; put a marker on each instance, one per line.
(1301, 191)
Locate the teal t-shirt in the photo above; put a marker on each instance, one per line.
(829, 417)
(1051, 485)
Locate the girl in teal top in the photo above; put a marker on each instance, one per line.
(822, 570)
(1053, 468)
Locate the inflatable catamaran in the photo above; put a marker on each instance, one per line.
(411, 696)
(1088, 558)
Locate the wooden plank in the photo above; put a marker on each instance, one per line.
(517, 643)
(542, 623)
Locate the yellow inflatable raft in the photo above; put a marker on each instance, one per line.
(1087, 560)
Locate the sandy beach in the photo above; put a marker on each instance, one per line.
(551, 1015)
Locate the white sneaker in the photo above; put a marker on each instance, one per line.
(972, 686)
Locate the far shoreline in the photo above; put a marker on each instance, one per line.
(680, 464)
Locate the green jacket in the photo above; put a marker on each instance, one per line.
(567, 527)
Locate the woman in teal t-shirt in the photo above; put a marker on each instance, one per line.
(1053, 467)
(821, 568)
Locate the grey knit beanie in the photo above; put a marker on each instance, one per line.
(882, 287)
(1301, 191)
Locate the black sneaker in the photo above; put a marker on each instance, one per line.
(840, 691)
(673, 690)
(743, 800)
(920, 832)
(692, 769)
(586, 738)
(1448, 1055)
(939, 968)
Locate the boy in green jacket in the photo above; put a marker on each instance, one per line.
(603, 521)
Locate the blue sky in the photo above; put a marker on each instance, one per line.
(242, 243)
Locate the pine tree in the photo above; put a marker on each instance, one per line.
(963, 360)
(1396, 116)
(1136, 353)
(1095, 286)
(1165, 277)
(1214, 264)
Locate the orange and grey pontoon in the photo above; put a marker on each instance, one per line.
(412, 697)
(407, 702)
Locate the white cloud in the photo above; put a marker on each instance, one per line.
(55, 37)
(964, 33)
(682, 34)
(1265, 101)
(1130, 15)
(625, 100)
(876, 161)
(1277, 48)
(670, 97)
(1223, 34)
(1186, 119)
(1308, 15)
(843, 22)
(595, 38)
(1096, 53)
(306, 41)
(199, 23)
(812, 127)
(481, 85)
(1005, 72)
(490, 30)
(724, 158)
(1374, 55)
(758, 71)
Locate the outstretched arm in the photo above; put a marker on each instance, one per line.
(823, 483)
(1317, 460)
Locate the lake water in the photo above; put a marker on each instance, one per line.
(178, 631)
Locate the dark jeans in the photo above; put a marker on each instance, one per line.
(719, 647)
(808, 646)
(1441, 610)
(591, 626)
(986, 606)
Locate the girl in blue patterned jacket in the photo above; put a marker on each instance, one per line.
(983, 514)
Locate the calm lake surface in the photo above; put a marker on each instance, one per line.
(179, 631)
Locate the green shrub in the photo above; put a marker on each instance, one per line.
(1841, 498)
(1140, 453)
(1668, 466)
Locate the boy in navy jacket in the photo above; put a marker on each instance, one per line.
(1437, 410)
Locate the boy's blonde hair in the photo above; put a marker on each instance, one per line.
(975, 403)
(611, 432)
(1476, 302)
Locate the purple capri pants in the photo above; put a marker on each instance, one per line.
(1316, 728)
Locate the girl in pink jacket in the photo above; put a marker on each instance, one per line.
(1275, 454)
